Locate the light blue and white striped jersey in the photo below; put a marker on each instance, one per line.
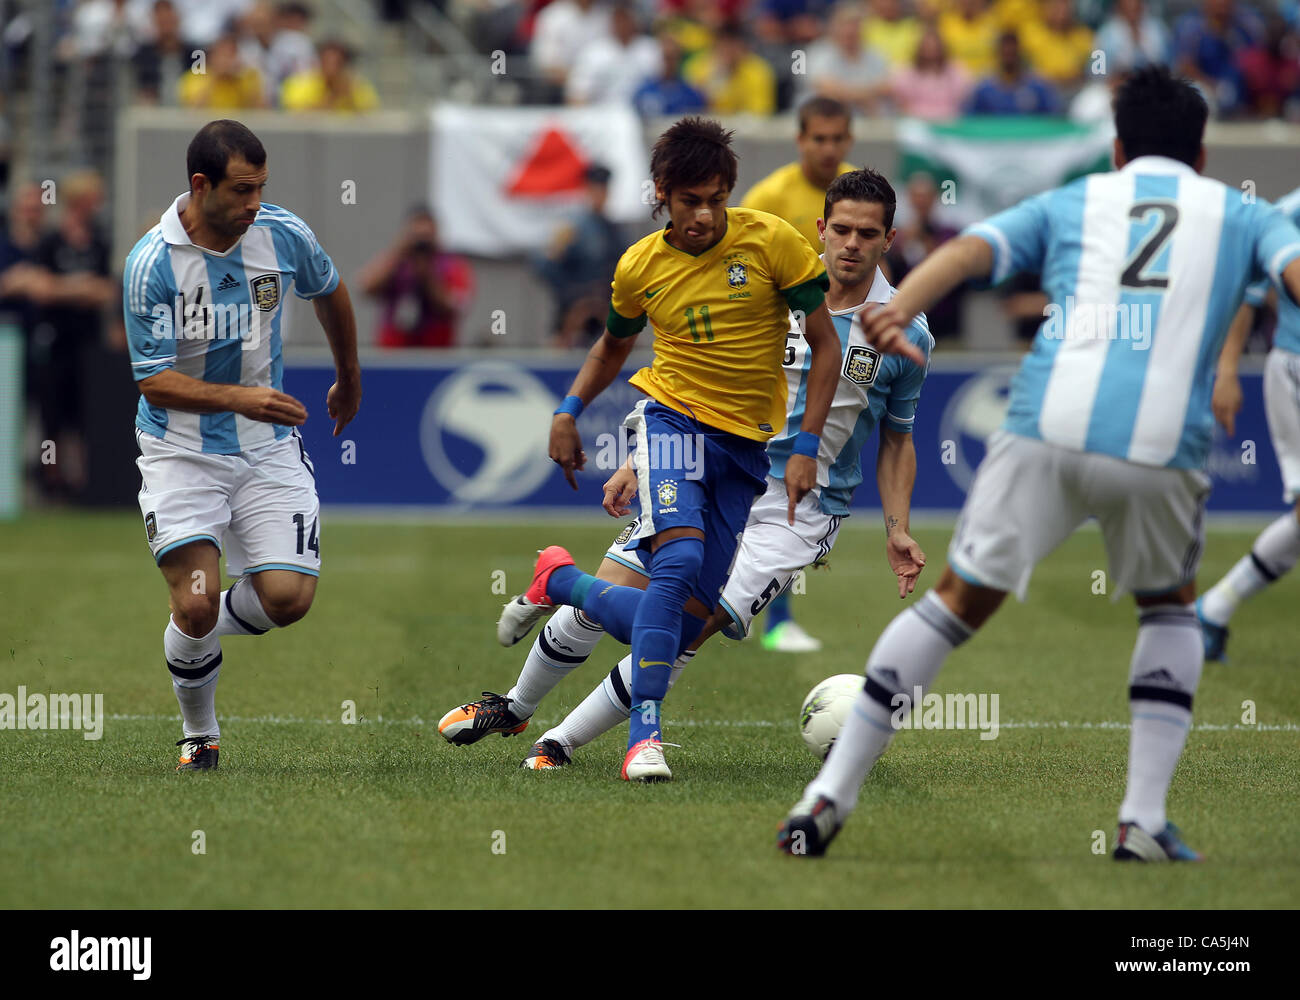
(216, 317)
(871, 388)
(1144, 268)
(1287, 335)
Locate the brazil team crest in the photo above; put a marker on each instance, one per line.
(266, 291)
(861, 365)
(737, 274)
(667, 493)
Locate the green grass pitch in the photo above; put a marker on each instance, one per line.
(308, 812)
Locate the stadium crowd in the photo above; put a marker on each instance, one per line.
(934, 59)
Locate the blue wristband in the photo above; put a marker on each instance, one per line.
(807, 444)
(571, 405)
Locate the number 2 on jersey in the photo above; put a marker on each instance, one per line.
(1149, 249)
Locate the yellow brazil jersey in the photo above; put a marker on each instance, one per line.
(787, 193)
(720, 319)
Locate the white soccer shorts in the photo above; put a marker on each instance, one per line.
(259, 507)
(771, 552)
(1029, 496)
(1282, 407)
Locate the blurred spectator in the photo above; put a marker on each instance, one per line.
(933, 87)
(611, 70)
(797, 191)
(1057, 46)
(1208, 43)
(70, 321)
(564, 29)
(161, 62)
(102, 27)
(668, 93)
(222, 82)
(1271, 72)
(275, 43)
(580, 265)
(841, 67)
(22, 280)
(920, 234)
(734, 79)
(790, 22)
(332, 86)
(970, 33)
(891, 32)
(1011, 90)
(424, 290)
(204, 21)
(1132, 37)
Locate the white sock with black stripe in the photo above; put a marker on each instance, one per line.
(1165, 670)
(907, 656)
(195, 665)
(1275, 553)
(608, 705)
(241, 611)
(564, 642)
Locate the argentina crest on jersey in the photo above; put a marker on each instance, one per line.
(266, 291)
(861, 365)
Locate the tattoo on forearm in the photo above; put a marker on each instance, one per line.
(891, 522)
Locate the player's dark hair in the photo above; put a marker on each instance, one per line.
(1158, 114)
(862, 185)
(216, 144)
(693, 151)
(822, 107)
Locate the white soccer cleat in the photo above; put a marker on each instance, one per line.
(518, 618)
(789, 637)
(645, 762)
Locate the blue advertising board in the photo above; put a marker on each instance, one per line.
(468, 432)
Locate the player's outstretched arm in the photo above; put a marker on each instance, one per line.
(340, 324)
(955, 262)
(604, 361)
(895, 477)
(170, 390)
(1226, 401)
(823, 377)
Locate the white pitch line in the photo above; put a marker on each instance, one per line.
(290, 720)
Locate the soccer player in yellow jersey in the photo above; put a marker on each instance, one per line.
(716, 286)
(797, 191)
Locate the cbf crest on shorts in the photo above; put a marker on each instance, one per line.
(861, 365)
(667, 493)
(266, 291)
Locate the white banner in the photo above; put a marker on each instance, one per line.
(504, 178)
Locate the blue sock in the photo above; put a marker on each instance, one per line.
(778, 612)
(569, 585)
(657, 632)
(614, 607)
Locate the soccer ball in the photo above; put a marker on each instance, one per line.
(826, 709)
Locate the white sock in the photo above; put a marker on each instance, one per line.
(907, 655)
(1275, 552)
(563, 643)
(195, 665)
(1166, 667)
(241, 611)
(608, 705)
